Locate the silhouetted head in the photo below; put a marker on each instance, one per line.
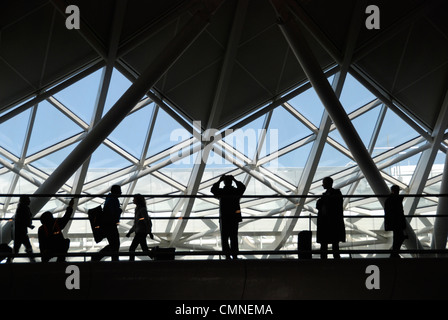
(139, 200)
(24, 200)
(115, 190)
(46, 218)
(228, 180)
(327, 183)
(395, 189)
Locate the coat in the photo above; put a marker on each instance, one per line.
(51, 237)
(394, 219)
(330, 217)
(22, 219)
(142, 222)
(111, 211)
(229, 201)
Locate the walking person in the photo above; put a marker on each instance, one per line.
(330, 219)
(394, 219)
(229, 212)
(142, 226)
(23, 221)
(109, 224)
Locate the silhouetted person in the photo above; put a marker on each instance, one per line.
(229, 212)
(142, 226)
(51, 239)
(330, 219)
(23, 221)
(109, 224)
(394, 219)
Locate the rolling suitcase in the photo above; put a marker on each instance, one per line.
(304, 244)
(163, 253)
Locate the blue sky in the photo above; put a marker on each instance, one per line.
(52, 126)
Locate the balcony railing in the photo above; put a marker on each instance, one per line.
(421, 224)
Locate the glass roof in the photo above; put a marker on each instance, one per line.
(152, 154)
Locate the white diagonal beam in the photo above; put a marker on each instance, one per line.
(215, 113)
(318, 81)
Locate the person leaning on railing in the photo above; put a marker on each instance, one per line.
(51, 239)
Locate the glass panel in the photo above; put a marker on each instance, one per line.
(308, 104)
(354, 95)
(50, 127)
(50, 162)
(331, 162)
(202, 206)
(246, 139)
(167, 132)
(288, 128)
(81, 96)
(132, 131)
(433, 189)
(290, 166)
(364, 125)
(12, 133)
(403, 170)
(394, 132)
(150, 184)
(439, 164)
(5, 181)
(118, 85)
(24, 186)
(104, 161)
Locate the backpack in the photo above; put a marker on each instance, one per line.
(95, 218)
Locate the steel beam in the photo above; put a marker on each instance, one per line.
(427, 158)
(318, 145)
(106, 76)
(299, 45)
(310, 66)
(46, 94)
(441, 223)
(399, 109)
(373, 139)
(213, 117)
(440, 233)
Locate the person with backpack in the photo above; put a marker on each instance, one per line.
(110, 219)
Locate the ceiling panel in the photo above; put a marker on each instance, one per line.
(409, 51)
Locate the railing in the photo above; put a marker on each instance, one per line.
(346, 249)
(86, 256)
